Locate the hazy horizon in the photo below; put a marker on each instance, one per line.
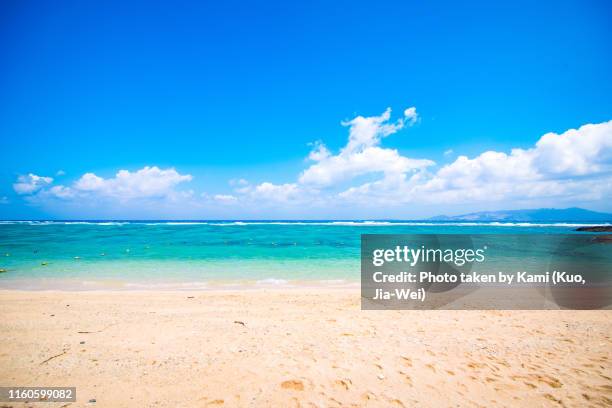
(317, 219)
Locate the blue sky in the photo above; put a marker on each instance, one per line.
(227, 99)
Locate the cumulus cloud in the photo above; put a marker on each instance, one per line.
(576, 163)
(144, 183)
(586, 151)
(225, 198)
(367, 132)
(31, 183)
(411, 115)
(572, 167)
(152, 184)
(319, 152)
(362, 153)
(62, 192)
(276, 192)
(577, 152)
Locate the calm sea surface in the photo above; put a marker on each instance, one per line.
(49, 254)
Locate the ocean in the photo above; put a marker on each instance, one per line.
(204, 254)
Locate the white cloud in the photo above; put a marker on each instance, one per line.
(31, 183)
(60, 173)
(586, 151)
(559, 169)
(367, 132)
(90, 182)
(144, 183)
(276, 192)
(62, 192)
(362, 154)
(319, 152)
(335, 169)
(573, 166)
(148, 190)
(225, 198)
(411, 115)
(576, 164)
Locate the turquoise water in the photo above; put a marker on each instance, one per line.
(141, 254)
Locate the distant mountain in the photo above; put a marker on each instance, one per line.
(540, 214)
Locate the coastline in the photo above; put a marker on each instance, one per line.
(166, 285)
(298, 347)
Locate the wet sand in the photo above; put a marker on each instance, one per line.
(303, 347)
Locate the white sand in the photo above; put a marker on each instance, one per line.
(298, 348)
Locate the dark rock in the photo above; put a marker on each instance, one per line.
(599, 228)
(603, 238)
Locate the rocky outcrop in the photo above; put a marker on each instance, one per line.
(600, 228)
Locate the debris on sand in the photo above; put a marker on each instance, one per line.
(55, 356)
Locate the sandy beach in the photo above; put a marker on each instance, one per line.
(301, 348)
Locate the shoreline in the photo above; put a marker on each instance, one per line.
(115, 285)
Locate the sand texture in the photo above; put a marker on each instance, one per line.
(298, 348)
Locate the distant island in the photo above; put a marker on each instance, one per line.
(535, 215)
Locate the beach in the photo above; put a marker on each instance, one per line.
(305, 204)
(303, 347)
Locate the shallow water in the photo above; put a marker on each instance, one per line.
(142, 254)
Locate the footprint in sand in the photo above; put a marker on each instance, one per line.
(293, 385)
(345, 383)
(551, 381)
(407, 361)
